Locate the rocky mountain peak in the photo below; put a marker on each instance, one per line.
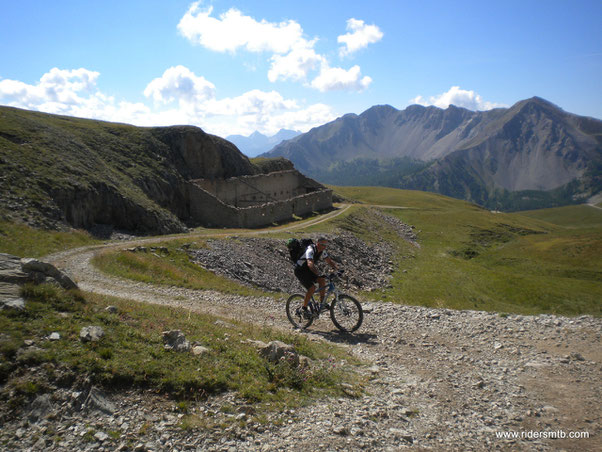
(534, 145)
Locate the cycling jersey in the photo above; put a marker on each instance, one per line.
(310, 253)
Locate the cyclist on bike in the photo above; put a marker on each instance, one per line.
(307, 272)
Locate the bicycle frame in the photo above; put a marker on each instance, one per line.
(330, 289)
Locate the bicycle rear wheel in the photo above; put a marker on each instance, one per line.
(294, 312)
(346, 313)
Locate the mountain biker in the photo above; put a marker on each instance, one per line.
(307, 272)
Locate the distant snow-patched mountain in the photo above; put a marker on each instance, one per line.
(533, 154)
(257, 143)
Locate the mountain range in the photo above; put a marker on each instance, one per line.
(258, 143)
(531, 155)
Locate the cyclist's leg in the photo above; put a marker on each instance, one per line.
(322, 284)
(307, 278)
(308, 295)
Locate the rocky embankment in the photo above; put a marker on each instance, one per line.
(265, 263)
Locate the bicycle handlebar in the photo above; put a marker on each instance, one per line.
(332, 275)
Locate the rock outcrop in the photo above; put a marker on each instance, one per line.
(91, 333)
(176, 341)
(14, 272)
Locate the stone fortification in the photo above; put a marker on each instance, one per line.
(254, 201)
(245, 191)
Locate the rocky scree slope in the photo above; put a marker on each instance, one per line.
(265, 263)
(58, 170)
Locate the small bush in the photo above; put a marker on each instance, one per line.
(27, 387)
(287, 373)
(9, 348)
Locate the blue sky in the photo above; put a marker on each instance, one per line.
(235, 67)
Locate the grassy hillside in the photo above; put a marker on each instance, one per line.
(544, 261)
(581, 216)
(178, 270)
(24, 241)
(471, 258)
(51, 163)
(131, 355)
(467, 258)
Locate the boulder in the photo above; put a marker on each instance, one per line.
(10, 296)
(256, 344)
(199, 350)
(99, 401)
(276, 350)
(39, 408)
(14, 272)
(175, 340)
(91, 334)
(30, 265)
(10, 270)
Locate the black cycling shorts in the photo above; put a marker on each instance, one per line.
(305, 276)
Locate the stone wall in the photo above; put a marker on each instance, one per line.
(259, 189)
(234, 206)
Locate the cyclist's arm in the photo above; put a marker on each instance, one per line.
(330, 262)
(312, 267)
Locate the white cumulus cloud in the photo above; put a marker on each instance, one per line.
(300, 118)
(336, 78)
(181, 84)
(293, 56)
(303, 119)
(266, 112)
(233, 30)
(251, 102)
(458, 97)
(295, 65)
(58, 89)
(359, 36)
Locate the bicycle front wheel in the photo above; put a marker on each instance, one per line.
(346, 313)
(294, 312)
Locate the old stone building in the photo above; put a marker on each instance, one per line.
(256, 200)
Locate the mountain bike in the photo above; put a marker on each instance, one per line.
(345, 311)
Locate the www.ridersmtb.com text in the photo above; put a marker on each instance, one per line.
(531, 434)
